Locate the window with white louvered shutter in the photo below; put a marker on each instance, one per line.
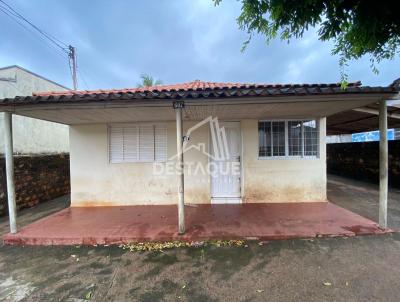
(160, 142)
(131, 140)
(146, 143)
(137, 143)
(116, 143)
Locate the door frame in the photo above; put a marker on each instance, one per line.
(241, 186)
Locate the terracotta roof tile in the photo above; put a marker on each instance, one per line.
(196, 85)
(194, 90)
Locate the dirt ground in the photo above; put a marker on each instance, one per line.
(364, 268)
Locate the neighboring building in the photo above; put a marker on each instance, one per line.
(31, 136)
(397, 134)
(337, 139)
(124, 146)
(370, 136)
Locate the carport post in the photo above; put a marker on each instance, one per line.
(179, 150)
(8, 151)
(383, 164)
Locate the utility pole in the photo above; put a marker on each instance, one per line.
(73, 65)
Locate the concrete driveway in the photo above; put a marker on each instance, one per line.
(364, 268)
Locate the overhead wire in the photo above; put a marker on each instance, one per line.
(61, 47)
(83, 79)
(51, 38)
(12, 17)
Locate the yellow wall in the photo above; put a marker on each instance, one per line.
(281, 180)
(96, 182)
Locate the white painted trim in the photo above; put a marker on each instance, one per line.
(241, 193)
(288, 158)
(226, 200)
(291, 157)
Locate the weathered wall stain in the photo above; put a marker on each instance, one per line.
(265, 194)
(95, 181)
(281, 180)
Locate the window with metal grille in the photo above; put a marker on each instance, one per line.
(137, 143)
(311, 138)
(290, 138)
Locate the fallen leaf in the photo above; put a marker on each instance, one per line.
(184, 286)
(327, 283)
(88, 295)
(347, 283)
(259, 290)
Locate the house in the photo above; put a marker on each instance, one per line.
(198, 142)
(31, 136)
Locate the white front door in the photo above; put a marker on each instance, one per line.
(225, 170)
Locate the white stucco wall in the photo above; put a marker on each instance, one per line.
(281, 180)
(31, 135)
(96, 182)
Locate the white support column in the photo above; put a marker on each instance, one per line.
(179, 148)
(383, 165)
(8, 151)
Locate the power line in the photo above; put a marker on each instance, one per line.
(12, 17)
(83, 78)
(54, 42)
(52, 39)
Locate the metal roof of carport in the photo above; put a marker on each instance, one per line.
(361, 120)
(365, 118)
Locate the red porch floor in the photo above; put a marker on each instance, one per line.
(113, 225)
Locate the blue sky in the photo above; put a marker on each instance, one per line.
(173, 40)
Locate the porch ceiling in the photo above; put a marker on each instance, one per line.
(240, 108)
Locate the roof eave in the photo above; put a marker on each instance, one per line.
(204, 95)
